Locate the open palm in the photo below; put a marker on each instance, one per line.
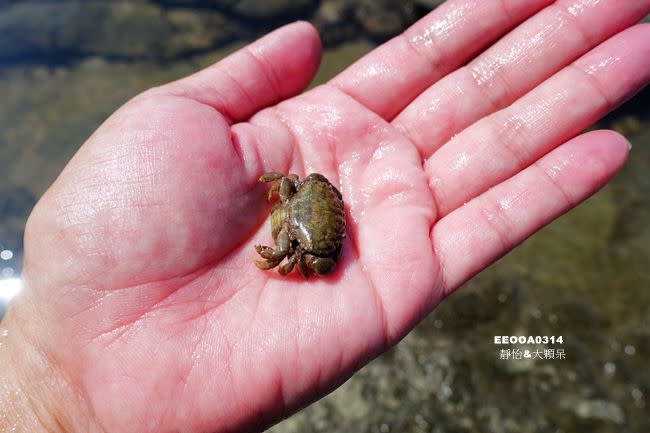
(139, 258)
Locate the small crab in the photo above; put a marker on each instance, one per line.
(307, 224)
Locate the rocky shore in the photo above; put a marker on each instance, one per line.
(62, 32)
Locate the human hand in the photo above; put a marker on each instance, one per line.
(142, 309)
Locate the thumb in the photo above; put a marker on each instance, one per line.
(273, 68)
(152, 194)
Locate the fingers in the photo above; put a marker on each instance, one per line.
(390, 77)
(517, 63)
(273, 68)
(475, 235)
(498, 146)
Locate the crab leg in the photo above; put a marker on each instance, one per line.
(270, 177)
(288, 267)
(273, 256)
(319, 265)
(267, 264)
(264, 251)
(302, 267)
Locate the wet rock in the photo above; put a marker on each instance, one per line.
(66, 30)
(593, 410)
(419, 8)
(631, 358)
(627, 125)
(380, 18)
(197, 31)
(576, 315)
(428, 4)
(266, 9)
(334, 21)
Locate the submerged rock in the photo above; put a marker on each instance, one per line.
(334, 20)
(601, 410)
(16, 201)
(267, 9)
(122, 29)
(380, 18)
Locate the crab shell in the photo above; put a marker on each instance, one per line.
(307, 224)
(315, 218)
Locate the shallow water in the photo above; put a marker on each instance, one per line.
(585, 277)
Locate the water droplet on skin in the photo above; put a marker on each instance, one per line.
(580, 6)
(602, 65)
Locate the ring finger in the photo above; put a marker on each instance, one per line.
(504, 143)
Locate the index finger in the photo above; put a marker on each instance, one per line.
(391, 76)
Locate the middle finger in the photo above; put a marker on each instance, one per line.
(517, 63)
(498, 146)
